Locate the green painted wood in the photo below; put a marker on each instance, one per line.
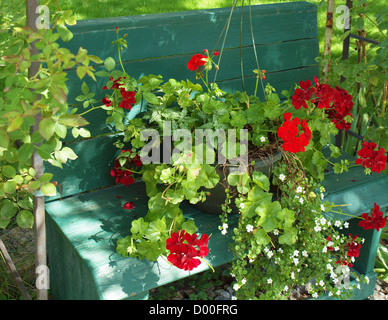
(273, 57)
(82, 233)
(192, 31)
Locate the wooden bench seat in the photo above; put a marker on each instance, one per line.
(86, 218)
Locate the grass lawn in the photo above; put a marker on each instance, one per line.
(90, 9)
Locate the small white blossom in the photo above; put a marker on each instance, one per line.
(276, 232)
(282, 177)
(323, 221)
(242, 205)
(269, 280)
(321, 283)
(317, 228)
(270, 254)
(262, 138)
(315, 295)
(225, 226)
(292, 275)
(299, 189)
(346, 225)
(285, 288)
(266, 249)
(224, 232)
(236, 287)
(249, 228)
(244, 281)
(304, 253)
(296, 253)
(322, 207)
(367, 279)
(296, 261)
(280, 250)
(301, 200)
(337, 223)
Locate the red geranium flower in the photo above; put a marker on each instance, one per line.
(375, 221)
(302, 95)
(115, 85)
(376, 160)
(288, 132)
(123, 173)
(106, 101)
(129, 205)
(198, 60)
(185, 248)
(128, 99)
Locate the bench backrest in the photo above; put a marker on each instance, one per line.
(286, 40)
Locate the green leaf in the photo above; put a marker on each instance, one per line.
(33, 185)
(47, 128)
(289, 237)
(59, 94)
(288, 216)
(45, 177)
(72, 120)
(261, 180)
(189, 226)
(4, 139)
(109, 63)
(268, 212)
(8, 209)
(262, 238)
(25, 219)
(48, 189)
(151, 98)
(122, 246)
(61, 130)
(139, 226)
(65, 34)
(10, 187)
(255, 197)
(69, 153)
(155, 230)
(15, 124)
(9, 171)
(84, 88)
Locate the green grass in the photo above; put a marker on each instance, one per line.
(115, 8)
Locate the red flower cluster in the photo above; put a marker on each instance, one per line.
(128, 96)
(337, 102)
(198, 60)
(123, 174)
(289, 131)
(352, 247)
(370, 158)
(185, 248)
(129, 205)
(375, 221)
(302, 95)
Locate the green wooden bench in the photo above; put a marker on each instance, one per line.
(85, 221)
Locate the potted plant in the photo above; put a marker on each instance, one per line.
(283, 237)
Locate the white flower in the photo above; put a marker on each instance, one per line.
(236, 287)
(244, 281)
(315, 295)
(224, 232)
(337, 223)
(296, 261)
(323, 221)
(285, 288)
(270, 254)
(269, 280)
(262, 138)
(249, 228)
(292, 275)
(282, 177)
(317, 228)
(266, 249)
(322, 207)
(301, 200)
(304, 253)
(346, 225)
(276, 232)
(225, 226)
(324, 250)
(367, 279)
(234, 298)
(299, 189)
(321, 283)
(296, 253)
(242, 205)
